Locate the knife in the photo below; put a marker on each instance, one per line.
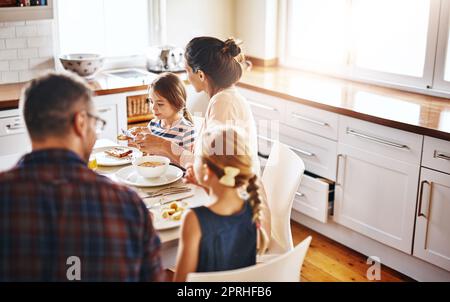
(164, 201)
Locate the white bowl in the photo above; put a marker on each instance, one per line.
(85, 65)
(151, 172)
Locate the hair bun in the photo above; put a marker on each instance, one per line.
(231, 48)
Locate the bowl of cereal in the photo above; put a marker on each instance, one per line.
(151, 166)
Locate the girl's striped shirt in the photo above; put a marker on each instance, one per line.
(181, 133)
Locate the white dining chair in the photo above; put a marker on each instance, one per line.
(283, 268)
(281, 178)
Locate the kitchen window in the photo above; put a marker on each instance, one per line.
(113, 28)
(401, 43)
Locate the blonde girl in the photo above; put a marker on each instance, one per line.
(227, 233)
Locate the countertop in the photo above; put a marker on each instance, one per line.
(412, 112)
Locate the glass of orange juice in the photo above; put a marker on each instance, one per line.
(92, 164)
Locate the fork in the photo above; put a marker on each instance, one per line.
(175, 187)
(178, 191)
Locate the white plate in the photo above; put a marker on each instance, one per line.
(160, 223)
(129, 176)
(104, 159)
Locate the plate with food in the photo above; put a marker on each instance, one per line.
(116, 155)
(169, 216)
(130, 175)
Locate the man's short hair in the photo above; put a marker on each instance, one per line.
(50, 101)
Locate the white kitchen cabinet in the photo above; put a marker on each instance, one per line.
(313, 120)
(318, 153)
(112, 108)
(264, 107)
(14, 137)
(312, 198)
(432, 236)
(393, 143)
(436, 154)
(376, 196)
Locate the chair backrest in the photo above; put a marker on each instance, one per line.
(281, 178)
(284, 268)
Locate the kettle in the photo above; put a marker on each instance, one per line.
(165, 58)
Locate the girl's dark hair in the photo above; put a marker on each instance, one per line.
(219, 60)
(170, 87)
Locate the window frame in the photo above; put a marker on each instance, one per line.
(441, 51)
(432, 82)
(156, 32)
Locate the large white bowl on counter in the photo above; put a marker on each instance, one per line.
(84, 64)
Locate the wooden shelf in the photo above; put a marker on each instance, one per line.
(25, 13)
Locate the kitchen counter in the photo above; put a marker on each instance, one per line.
(412, 112)
(102, 84)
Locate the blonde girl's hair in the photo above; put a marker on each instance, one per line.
(225, 146)
(169, 86)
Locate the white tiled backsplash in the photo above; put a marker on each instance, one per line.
(26, 50)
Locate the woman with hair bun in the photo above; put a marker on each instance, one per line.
(214, 67)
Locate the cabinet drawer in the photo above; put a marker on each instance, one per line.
(264, 106)
(436, 154)
(319, 154)
(313, 197)
(109, 114)
(13, 135)
(316, 121)
(393, 143)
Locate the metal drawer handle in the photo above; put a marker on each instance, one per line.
(437, 154)
(302, 151)
(306, 153)
(262, 106)
(15, 126)
(337, 168)
(104, 110)
(419, 212)
(376, 139)
(304, 118)
(300, 194)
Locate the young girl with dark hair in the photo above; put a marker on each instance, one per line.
(173, 122)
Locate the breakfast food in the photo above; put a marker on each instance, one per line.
(173, 212)
(122, 137)
(119, 152)
(151, 164)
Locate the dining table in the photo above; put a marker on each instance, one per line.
(169, 233)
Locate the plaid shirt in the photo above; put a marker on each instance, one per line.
(53, 207)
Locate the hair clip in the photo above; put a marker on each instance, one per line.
(229, 178)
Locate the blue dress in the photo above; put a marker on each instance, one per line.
(227, 242)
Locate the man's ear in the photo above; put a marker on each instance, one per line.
(80, 123)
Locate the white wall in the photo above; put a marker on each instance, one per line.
(25, 50)
(256, 24)
(187, 19)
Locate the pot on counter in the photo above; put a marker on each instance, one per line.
(165, 58)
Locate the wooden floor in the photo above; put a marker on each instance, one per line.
(329, 261)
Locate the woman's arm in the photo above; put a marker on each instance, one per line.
(153, 144)
(188, 249)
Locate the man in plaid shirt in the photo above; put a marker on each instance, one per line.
(60, 221)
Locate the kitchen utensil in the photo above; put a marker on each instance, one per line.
(165, 58)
